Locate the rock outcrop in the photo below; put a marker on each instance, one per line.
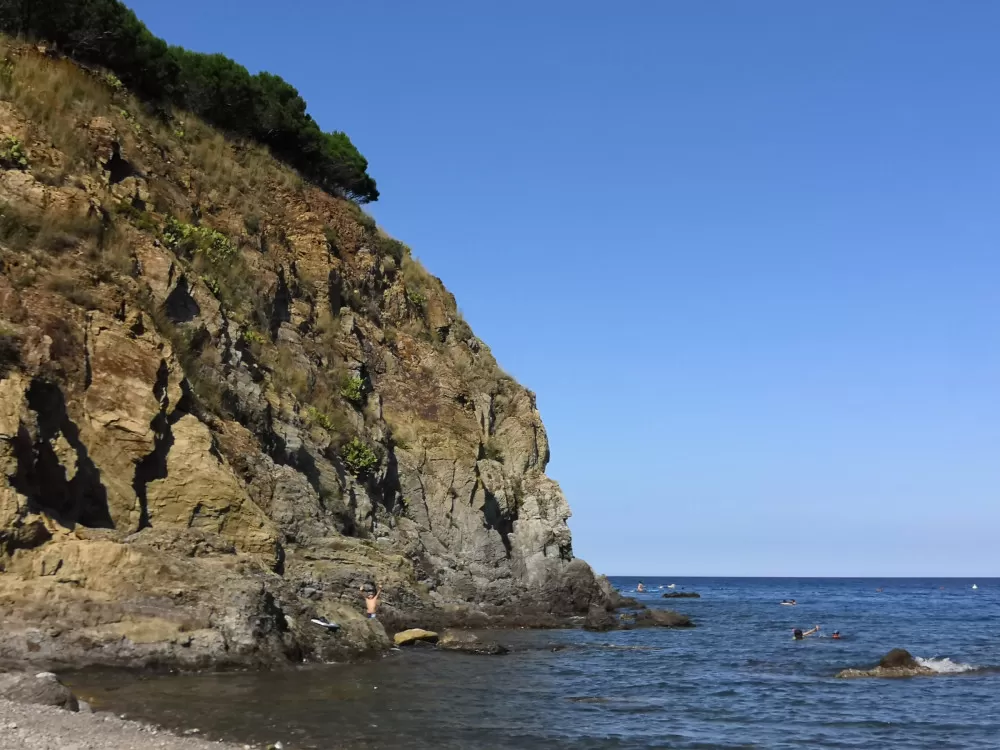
(227, 399)
(43, 689)
(897, 663)
(599, 618)
(414, 636)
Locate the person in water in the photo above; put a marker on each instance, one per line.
(372, 597)
(640, 588)
(835, 634)
(798, 635)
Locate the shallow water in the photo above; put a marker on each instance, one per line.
(736, 681)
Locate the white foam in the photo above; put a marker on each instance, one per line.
(945, 665)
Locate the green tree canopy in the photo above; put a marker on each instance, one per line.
(221, 91)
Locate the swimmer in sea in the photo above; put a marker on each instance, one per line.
(798, 635)
(640, 588)
(835, 634)
(371, 595)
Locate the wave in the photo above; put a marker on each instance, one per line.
(945, 665)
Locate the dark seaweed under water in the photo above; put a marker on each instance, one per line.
(736, 681)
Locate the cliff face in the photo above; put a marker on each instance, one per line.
(227, 399)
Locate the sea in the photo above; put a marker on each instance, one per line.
(737, 680)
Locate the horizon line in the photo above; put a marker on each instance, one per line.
(843, 577)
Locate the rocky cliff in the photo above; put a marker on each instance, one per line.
(227, 398)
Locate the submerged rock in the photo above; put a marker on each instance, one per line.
(665, 618)
(648, 618)
(415, 635)
(468, 643)
(897, 663)
(682, 595)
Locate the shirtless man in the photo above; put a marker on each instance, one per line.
(371, 595)
(798, 635)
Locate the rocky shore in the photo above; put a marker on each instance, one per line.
(33, 727)
(38, 712)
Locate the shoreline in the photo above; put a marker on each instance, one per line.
(26, 726)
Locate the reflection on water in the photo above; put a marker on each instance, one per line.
(738, 680)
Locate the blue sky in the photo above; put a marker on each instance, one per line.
(745, 253)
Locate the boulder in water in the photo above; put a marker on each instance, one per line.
(667, 618)
(682, 595)
(899, 658)
(897, 663)
(664, 618)
(414, 636)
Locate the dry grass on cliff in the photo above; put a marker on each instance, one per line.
(53, 94)
(74, 289)
(243, 176)
(56, 97)
(44, 233)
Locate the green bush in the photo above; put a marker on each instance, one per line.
(358, 457)
(114, 83)
(332, 239)
(140, 219)
(130, 119)
(188, 239)
(393, 249)
(253, 337)
(417, 299)
(353, 389)
(252, 224)
(213, 284)
(262, 107)
(12, 153)
(320, 418)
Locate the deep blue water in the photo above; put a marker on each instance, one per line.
(736, 681)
